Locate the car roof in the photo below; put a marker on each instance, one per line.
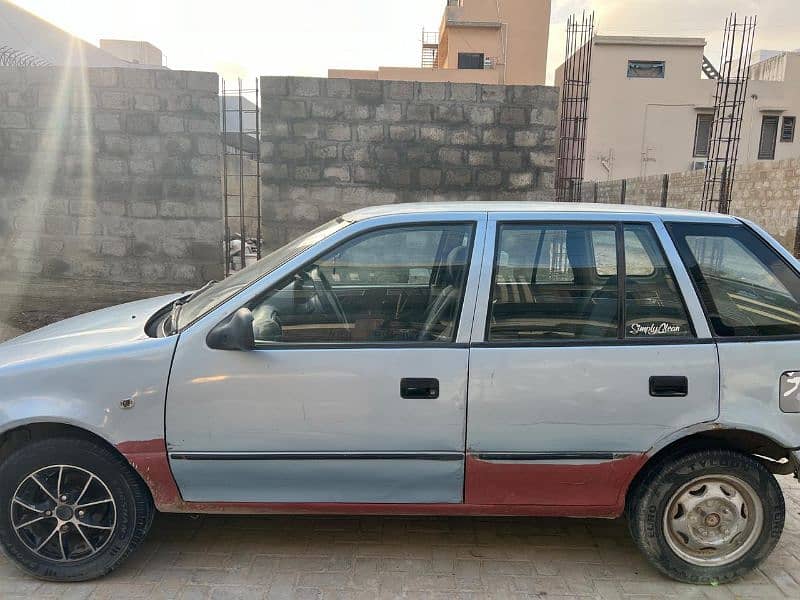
(426, 208)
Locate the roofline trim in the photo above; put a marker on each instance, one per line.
(633, 40)
(537, 209)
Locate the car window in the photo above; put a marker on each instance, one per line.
(638, 262)
(604, 245)
(547, 284)
(213, 296)
(399, 257)
(654, 307)
(533, 254)
(605, 248)
(745, 286)
(393, 285)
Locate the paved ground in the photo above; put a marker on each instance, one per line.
(302, 557)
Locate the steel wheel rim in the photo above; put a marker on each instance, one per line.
(63, 513)
(713, 520)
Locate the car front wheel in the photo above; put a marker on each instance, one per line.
(707, 517)
(70, 509)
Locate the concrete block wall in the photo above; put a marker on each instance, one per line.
(110, 175)
(766, 192)
(334, 145)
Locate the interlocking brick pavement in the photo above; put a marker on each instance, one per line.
(220, 557)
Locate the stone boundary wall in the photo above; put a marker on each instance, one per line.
(766, 192)
(110, 175)
(334, 145)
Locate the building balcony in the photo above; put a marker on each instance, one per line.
(459, 14)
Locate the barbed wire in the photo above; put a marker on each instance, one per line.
(10, 57)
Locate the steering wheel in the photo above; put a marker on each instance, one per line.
(325, 293)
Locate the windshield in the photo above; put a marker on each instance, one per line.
(213, 296)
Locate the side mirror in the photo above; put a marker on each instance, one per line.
(235, 333)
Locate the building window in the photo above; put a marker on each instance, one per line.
(702, 135)
(470, 60)
(769, 135)
(787, 131)
(652, 69)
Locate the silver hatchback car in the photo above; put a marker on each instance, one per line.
(427, 359)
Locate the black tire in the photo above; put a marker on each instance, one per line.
(649, 500)
(132, 508)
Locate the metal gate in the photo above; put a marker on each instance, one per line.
(241, 179)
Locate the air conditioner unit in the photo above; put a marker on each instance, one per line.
(699, 165)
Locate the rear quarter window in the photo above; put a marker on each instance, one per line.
(746, 287)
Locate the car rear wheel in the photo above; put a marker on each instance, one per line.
(707, 517)
(70, 509)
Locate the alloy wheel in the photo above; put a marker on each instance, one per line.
(63, 513)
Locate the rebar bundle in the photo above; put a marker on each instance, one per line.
(574, 107)
(729, 101)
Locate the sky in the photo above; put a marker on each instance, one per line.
(247, 38)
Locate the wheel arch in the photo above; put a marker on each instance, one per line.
(21, 435)
(774, 455)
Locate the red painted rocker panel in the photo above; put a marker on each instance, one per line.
(492, 488)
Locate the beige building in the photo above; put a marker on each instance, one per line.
(650, 108)
(479, 41)
(28, 40)
(134, 51)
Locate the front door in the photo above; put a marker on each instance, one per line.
(356, 392)
(589, 356)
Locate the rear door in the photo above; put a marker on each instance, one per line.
(590, 348)
(750, 288)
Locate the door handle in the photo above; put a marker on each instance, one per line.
(668, 386)
(419, 387)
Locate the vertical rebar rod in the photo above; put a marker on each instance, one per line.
(722, 203)
(574, 107)
(586, 61)
(564, 118)
(242, 226)
(729, 99)
(571, 107)
(259, 233)
(748, 38)
(227, 240)
(244, 143)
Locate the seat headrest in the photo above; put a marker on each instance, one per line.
(456, 261)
